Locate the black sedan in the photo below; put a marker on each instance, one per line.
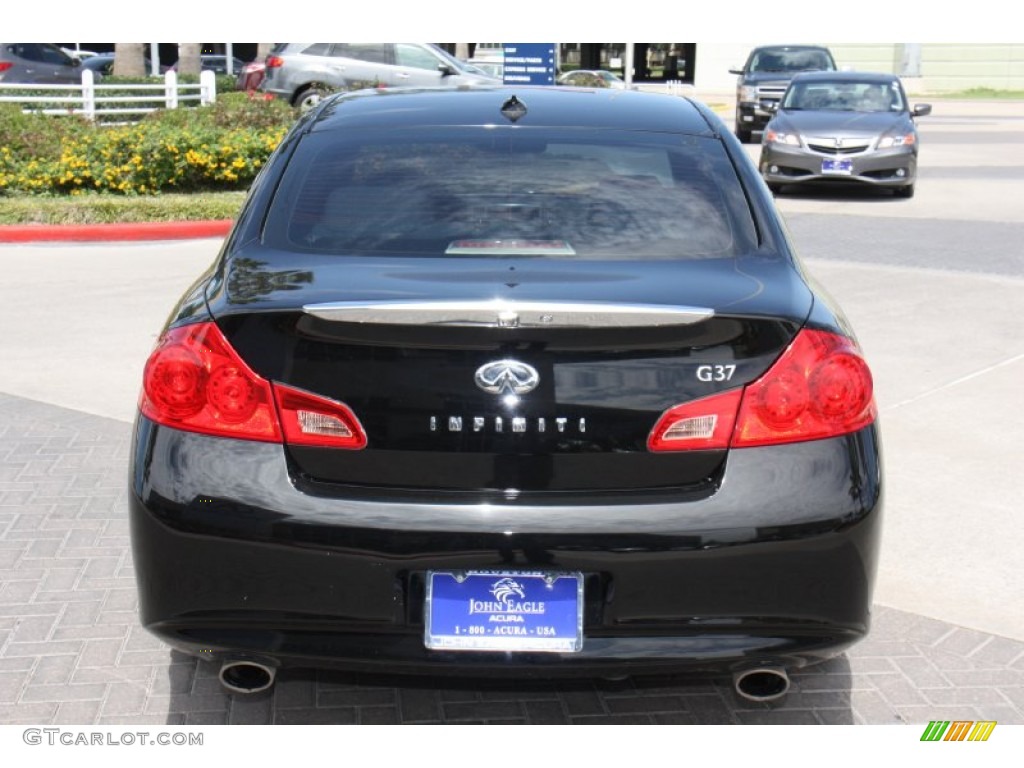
(507, 381)
(846, 127)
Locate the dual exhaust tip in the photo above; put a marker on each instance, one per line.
(756, 684)
(761, 683)
(246, 676)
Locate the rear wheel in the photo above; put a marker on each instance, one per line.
(310, 97)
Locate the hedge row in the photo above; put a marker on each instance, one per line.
(220, 147)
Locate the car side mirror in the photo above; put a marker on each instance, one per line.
(735, 71)
(446, 70)
(920, 110)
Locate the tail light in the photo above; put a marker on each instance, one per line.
(705, 424)
(819, 387)
(273, 62)
(5, 65)
(195, 381)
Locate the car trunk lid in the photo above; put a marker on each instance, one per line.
(516, 377)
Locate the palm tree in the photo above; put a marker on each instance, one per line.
(188, 58)
(130, 59)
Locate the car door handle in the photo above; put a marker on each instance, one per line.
(403, 75)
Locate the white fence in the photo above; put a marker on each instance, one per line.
(93, 99)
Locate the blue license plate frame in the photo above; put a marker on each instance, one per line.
(497, 610)
(837, 167)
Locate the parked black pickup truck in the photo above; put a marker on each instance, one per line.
(765, 77)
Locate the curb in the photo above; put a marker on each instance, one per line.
(152, 230)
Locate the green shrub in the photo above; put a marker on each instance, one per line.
(220, 147)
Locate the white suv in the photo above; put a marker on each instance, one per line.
(302, 73)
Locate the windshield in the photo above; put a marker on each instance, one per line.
(790, 61)
(845, 95)
(558, 193)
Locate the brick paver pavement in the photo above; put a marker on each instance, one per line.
(72, 651)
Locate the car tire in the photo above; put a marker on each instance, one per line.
(776, 189)
(309, 98)
(743, 135)
(907, 191)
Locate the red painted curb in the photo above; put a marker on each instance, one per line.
(150, 230)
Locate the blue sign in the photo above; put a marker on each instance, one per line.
(529, 63)
(504, 611)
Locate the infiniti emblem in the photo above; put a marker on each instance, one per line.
(507, 377)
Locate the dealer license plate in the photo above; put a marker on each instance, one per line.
(837, 167)
(504, 611)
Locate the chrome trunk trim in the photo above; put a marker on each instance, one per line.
(498, 313)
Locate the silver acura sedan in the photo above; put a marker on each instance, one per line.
(845, 127)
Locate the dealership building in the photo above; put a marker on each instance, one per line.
(926, 67)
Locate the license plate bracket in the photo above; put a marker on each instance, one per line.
(837, 167)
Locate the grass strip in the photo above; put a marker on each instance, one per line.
(112, 209)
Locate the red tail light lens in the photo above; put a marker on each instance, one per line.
(5, 65)
(704, 424)
(196, 382)
(274, 61)
(316, 421)
(820, 387)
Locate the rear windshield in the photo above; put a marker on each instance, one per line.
(511, 192)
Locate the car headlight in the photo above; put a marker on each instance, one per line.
(899, 140)
(772, 136)
(748, 93)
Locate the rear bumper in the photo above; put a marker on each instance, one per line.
(233, 560)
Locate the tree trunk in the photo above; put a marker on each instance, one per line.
(188, 58)
(130, 60)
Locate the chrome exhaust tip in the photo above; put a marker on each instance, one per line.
(242, 676)
(761, 683)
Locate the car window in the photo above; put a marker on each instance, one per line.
(790, 61)
(51, 54)
(28, 51)
(377, 53)
(560, 193)
(318, 49)
(407, 55)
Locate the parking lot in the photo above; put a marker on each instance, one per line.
(933, 286)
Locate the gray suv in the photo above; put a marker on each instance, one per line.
(37, 63)
(302, 73)
(765, 77)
